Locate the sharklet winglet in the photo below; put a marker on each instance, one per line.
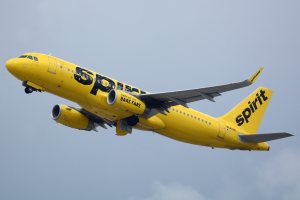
(253, 78)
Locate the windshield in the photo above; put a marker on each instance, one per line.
(29, 57)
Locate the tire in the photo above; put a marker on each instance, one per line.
(28, 90)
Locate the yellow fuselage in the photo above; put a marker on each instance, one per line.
(57, 76)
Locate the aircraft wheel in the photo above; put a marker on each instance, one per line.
(28, 90)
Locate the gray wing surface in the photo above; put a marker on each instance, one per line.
(167, 99)
(256, 138)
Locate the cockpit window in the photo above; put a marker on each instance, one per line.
(29, 57)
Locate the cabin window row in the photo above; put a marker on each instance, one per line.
(191, 116)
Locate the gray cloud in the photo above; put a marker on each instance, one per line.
(279, 177)
(172, 191)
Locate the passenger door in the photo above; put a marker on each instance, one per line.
(52, 65)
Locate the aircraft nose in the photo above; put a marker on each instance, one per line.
(10, 65)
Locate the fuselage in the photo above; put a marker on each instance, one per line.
(90, 90)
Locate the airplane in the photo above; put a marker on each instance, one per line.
(106, 102)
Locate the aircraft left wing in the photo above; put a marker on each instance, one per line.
(164, 100)
(98, 121)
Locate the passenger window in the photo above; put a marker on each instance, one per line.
(30, 57)
(35, 58)
(142, 92)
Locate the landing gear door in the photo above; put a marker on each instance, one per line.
(52, 65)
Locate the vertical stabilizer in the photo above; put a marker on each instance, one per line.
(247, 115)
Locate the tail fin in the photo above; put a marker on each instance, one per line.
(247, 115)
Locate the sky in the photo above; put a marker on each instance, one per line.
(158, 46)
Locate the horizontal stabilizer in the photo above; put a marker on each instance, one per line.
(256, 138)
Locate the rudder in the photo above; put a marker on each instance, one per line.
(247, 115)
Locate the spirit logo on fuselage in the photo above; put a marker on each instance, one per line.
(85, 77)
(252, 107)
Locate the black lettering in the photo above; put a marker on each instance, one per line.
(246, 114)
(135, 90)
(262, 94)
(127, 88)
(239, 120)
(120, 86)
(251, 106)
(258, 98)
(98, 84)
(254, 104)
(83, 76)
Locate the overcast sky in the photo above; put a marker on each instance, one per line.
(158, 46)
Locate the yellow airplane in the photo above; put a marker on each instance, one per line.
(106, 102)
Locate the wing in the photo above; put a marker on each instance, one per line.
(164, 100)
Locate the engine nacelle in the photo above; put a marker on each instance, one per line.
(71, 117)
(123, 101)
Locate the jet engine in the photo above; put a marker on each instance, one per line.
(126, 102)
(71, 117)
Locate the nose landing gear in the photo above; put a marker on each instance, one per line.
(31, 87)
(28, 90)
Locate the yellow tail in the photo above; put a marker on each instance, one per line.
(247, 115)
